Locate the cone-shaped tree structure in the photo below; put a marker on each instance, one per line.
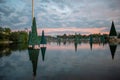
(112, 50)
(43, 49)
(91, 38)
(33, 37)
(113, 30)
(33, 27)
(33, 56)
(43, 39)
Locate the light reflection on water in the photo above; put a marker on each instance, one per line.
(68, 61)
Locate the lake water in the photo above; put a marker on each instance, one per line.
(60, 61)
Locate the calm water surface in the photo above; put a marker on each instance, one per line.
(68, 61)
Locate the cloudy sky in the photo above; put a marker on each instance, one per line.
(61, 16)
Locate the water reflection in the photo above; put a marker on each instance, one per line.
(43, 50)
(75, 44)
(6, 49)
(76, 40)
(33, 56)
(61, 62)
(91, 44)
(59, 41)
(112, 49)
(91, 41)
(64, 41)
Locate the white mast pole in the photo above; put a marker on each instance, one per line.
(32, 9)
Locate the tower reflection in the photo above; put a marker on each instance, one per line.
(112, 49)
(91, 44)
(75, 44)
(76, 40)
(91, 41)
(33, 56)
(43, 50)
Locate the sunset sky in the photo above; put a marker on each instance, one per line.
(61, 16)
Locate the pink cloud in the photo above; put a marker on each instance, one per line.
(56, 31)
(73, 30)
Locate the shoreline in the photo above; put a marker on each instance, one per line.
(6, 42)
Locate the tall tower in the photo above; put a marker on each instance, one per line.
(32, 9)
(33, 37)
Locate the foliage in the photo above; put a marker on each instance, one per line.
(7, 30)
(18, 36)
(14, 36)
(23, 37)
(4, 33)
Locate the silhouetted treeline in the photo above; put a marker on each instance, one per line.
(82, 36)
